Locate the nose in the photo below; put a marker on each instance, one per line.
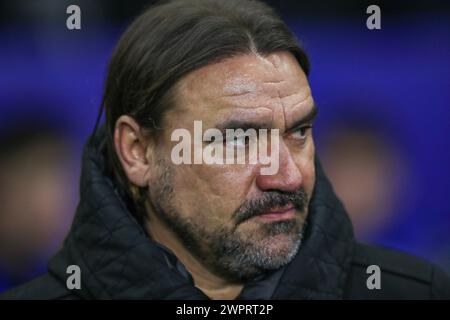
(287, 179)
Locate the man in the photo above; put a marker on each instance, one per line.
(149, 226)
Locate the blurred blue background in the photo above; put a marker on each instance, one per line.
(382, 131)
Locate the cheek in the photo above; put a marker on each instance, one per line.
(211, 191)
(305, 162)
(309, 177)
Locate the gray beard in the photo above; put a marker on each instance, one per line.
(224, 251)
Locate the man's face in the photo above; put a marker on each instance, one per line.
(236, 220)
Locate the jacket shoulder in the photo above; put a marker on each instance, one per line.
(402, 276)
(44, 287)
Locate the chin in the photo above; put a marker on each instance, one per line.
(279, 250)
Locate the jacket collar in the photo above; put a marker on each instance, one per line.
(119, 261)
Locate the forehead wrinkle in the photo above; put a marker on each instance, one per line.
(248, 110)
(290, 104)
(278, 93)
(260, 114)
(297, 112)
(238, 86)
(275, 61)
(251, 99)
(304, 101)
(298, 92)
(289, 86)
(300, 102)
(274, 82)
(242, 84)
(291, 100)
(252, 87)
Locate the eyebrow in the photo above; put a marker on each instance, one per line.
(245, 124)
(308, 118)
(242, 124)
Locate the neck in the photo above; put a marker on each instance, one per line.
(212, 285)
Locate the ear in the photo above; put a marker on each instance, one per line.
(131, 149)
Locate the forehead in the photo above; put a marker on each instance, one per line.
(247, 83)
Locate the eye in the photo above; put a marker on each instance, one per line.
(237, 141)
(300, 133)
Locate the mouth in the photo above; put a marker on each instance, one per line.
(277, 214)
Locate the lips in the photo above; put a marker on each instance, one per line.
(278, 213)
